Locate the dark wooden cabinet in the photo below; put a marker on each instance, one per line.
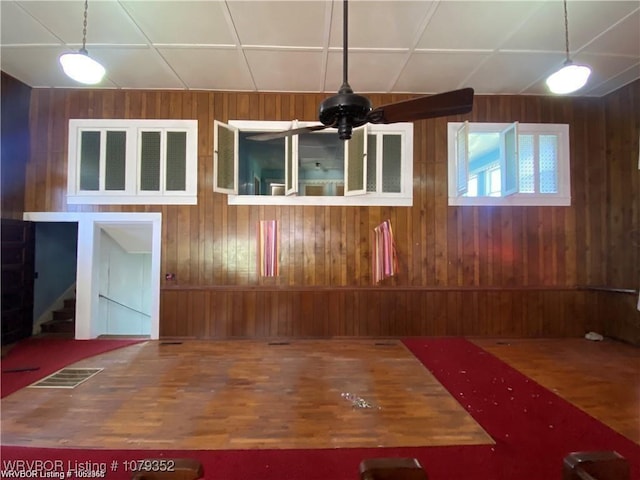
(18, 256)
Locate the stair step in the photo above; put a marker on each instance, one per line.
(70, 303)
(58, 326)
(64, 314)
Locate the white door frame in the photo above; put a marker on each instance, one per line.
(87, 281)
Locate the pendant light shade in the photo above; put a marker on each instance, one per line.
(570, 77)
(79, 66)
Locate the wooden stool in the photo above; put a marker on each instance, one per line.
(595, 465)
(392, 469)
(181, 469)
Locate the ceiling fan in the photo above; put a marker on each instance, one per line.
(348, 110)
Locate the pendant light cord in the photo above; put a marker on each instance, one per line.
(566, 30)
(84, 27)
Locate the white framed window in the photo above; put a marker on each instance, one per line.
(509, 164)
(374, 167)
(133, 162)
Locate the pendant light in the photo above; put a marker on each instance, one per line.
(79, 65)
(570, 77)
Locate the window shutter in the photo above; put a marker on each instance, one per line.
(509, 160)
(527, 161)
(372, 150)
(115, 161)
(462, 159)
(356, 162)
(225, 158)
(150, 147)
(291, 162)
(90, 161)
(391, 163)
(176, 167)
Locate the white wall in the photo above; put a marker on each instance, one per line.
(125, 281)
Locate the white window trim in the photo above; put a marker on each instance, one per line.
(404, 198)
(562, 198)
(132, 195)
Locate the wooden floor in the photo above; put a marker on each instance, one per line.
(601, 378)
(245, 394)
(310, 394)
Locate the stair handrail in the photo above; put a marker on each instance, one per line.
(123, 305)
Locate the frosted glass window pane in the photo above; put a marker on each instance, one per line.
(226, 158)
(391, 162)
(371, 162)
(176, 161)
(509, 165)
(526, 179)
(355, 167)
(90, 161)
(289, 161)
(548, 164)
(150, 161)
(115, 161)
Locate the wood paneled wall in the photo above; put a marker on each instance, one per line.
(461, 268)
(376, 312)
(618, 315)
(622, 217)
(620, 312)
(14, 144)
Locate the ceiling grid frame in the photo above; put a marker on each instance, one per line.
(189, 55)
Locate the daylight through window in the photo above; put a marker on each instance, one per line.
(508, 164)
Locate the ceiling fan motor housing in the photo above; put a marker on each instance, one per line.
(346, 111)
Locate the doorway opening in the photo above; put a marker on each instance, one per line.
(117, 272)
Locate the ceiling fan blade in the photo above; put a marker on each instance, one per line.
(261, 137)
(430, 106)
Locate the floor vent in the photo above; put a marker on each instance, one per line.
(170, 343)
(278, 343)
(386, 344)
(66, 378)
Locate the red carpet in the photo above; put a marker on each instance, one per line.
(35, 358)
(533, 429)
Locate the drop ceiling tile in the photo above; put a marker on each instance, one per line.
(39, 67)
(605, 67)
(136, 68)
(434, 72)
(368, 71)
(544, 30)
(209, 68)
(280, 23)
(614, 83)
(507, 73)
(18, 27)
(286, 70)
(107, 22)
(182, 22)
(197, 39)
(380, 24)
(485, 24)
(623, 40)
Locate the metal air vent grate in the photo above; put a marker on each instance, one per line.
(66, 378)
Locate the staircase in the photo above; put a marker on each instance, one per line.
(63, 321)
